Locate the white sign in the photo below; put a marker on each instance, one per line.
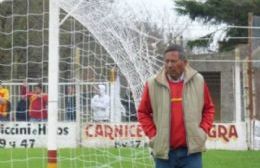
(113, 135)
(257, 135)
(230, 136)
(34, 134)
(222, 136)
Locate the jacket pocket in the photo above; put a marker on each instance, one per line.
(201, 137)
(196, 138)
(203, 134)
(152, 141)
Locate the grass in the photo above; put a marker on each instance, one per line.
(118, 157)
(231, 159)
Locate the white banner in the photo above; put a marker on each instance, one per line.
(257, 135)
(34, 134)
(113, 135)
(230, 136)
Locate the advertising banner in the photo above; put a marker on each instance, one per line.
(34, 134)
(230, 136)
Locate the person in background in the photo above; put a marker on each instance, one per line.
(100, 105)
(4, 103)
(176, 112)
(128, 103)
(22, 109)
(38, 102)
(70, 101)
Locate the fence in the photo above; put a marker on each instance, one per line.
(84, 91)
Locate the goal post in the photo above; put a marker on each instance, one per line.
(53, 83)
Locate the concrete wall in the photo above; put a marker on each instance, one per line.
(256, 56)
(226, 70)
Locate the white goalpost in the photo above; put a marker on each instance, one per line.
(53, 83)
(73, 60)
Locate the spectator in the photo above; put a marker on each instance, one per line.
(100, 105)
(4, 103)
(129, 105)
(38, 103)
(22, 109)
(70, 101)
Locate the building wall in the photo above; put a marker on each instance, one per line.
(256, 65)
(226, 111)
(257, 92)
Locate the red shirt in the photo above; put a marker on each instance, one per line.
(37, 104)
(178, 135)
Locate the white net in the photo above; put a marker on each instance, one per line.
(112, 51)
(104, 60)
(123, 40)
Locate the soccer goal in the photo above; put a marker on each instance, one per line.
(91, 63)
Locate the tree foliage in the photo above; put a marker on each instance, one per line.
(24, 41)
(230, 12)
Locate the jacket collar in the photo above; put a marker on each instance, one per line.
(181, 78)
(189, 72)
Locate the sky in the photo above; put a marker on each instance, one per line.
(163, 9)
(163, 13)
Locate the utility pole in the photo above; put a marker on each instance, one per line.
(250, 69)
(250, 78)
(237, 85)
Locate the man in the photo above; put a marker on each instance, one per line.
(176, 112)
(4, 103)
(22, 109)
(38, 102)
(70, 101)
(100, 105)
(128, 102)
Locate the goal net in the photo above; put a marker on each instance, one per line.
(104, 60)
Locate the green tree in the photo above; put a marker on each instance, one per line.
(230, 12)
(24, 43)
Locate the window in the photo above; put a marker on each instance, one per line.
(213, 80)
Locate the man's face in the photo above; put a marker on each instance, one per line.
(173, 64)
(37, 90)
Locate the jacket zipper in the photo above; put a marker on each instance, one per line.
(170, 115)
(184, 114)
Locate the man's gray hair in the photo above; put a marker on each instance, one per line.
(177, 48)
